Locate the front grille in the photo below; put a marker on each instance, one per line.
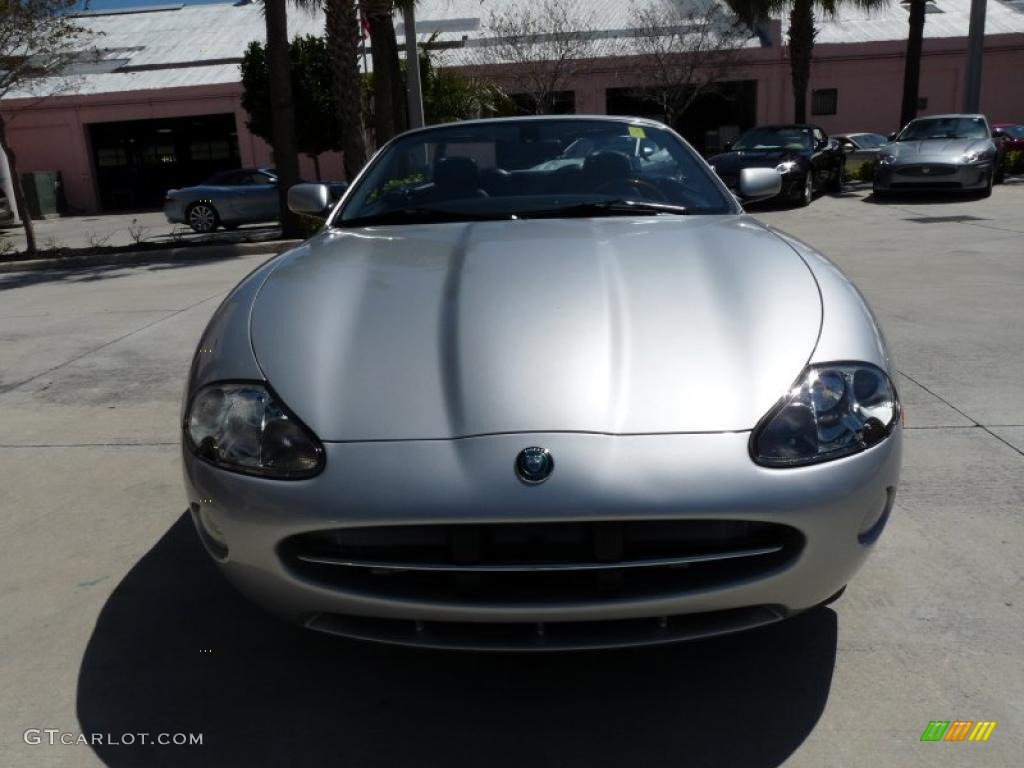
(546, 636)
(927, 170)
(529, 562)
(929, 185)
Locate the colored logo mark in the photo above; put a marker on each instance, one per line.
(958, 730)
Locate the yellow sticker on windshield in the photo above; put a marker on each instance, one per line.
(637, 132)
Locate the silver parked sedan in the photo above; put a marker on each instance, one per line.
(499, 405)
(228, 199)
(942, 152)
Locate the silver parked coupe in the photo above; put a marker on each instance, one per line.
(941, 152)
(226, 199)
(497, 404)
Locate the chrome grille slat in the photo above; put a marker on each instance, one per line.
(517, 563)
(660, 562)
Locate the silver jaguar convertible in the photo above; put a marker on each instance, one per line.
(504, 403)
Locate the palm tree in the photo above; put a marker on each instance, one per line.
(343, 36)
(343, 43)
(390, 115)
(801, 34)
(282, 110)
(912, 66)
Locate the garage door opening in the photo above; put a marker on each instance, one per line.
(137, 161)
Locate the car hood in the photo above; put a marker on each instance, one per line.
(946, 149)
(613, 325)
(736, 161)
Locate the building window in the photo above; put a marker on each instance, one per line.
(111, 157)
(210, 150)
(824, 101)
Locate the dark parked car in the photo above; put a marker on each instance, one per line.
(860, 148)
(230, 198)
(1011, 135)
(808, 160)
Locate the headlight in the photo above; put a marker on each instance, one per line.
(833, 411)
(786, 167)
(974, 157)
(240, 427)
(886, 159)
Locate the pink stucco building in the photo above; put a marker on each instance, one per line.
(162, 107)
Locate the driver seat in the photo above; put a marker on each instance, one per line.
(608, 171)
(457, 178)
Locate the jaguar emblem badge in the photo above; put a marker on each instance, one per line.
(534, 465)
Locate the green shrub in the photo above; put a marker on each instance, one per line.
(309, 226)
(1013, 162)
(864, 172)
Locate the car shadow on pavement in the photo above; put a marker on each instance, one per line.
(91, 274)
(177, 650)
(922, 197)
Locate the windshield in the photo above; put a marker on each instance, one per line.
(504, 169)
(870, 140)
(1016, 131)
(759, 139)
(944, 128)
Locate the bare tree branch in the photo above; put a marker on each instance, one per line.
(546, 42)
(39, 42)
(688, 50)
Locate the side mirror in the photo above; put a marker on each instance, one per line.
(310, 200)
(759, 184)
(892, 136)
(727, 146)
(998, 134)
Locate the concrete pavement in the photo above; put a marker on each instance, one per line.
(124, 229)
(114, 621)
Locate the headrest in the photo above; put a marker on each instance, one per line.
(607, 166)
(456, 173)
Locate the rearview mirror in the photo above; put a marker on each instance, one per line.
(759, 184)
(310, 200)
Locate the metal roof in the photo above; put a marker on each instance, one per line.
(172, 46)
(946, 18)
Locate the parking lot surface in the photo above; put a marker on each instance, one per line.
(114, 621)
(126, 229)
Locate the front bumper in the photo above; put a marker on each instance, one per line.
(174, 210)
(838, 508)
(932, 175)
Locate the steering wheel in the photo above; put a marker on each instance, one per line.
(633, 181)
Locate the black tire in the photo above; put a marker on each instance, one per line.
(835, 185)
(202, 217)
(987, 190)
(807, 190)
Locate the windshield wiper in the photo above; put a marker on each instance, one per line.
(620, 207)
(421, 215)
